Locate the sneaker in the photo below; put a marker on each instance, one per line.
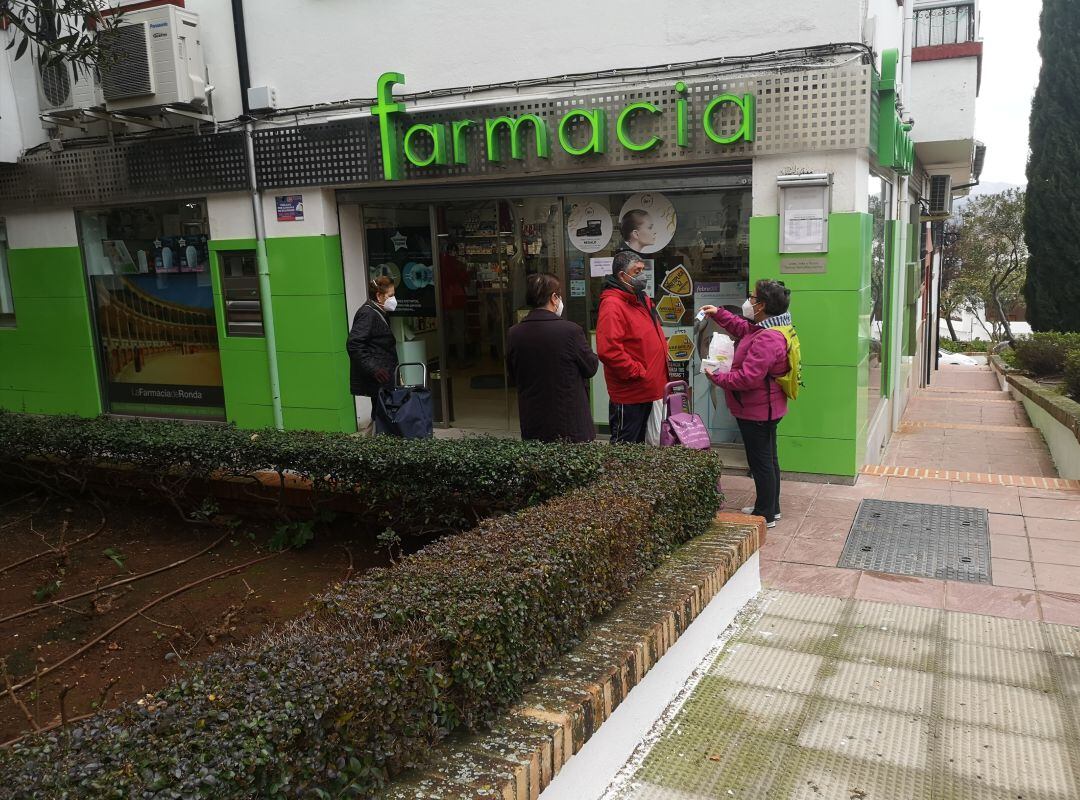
(749, 511)
(770, 524)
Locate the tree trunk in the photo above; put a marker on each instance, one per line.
(1004, 320)
(952, 330)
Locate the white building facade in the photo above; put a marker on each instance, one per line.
(459, 149)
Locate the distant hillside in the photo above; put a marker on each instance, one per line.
(986, 187)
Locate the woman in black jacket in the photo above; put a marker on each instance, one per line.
(551, 362)
(371, 344)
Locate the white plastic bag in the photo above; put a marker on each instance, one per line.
(721, 353)
(652, 431)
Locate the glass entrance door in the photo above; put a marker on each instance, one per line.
(487, 249)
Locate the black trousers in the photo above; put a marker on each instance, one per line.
(629, 422)
(759, 439)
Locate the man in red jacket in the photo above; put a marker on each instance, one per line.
(632, 346)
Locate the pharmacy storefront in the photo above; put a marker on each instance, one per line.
(718, 175)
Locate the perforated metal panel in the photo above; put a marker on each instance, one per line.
(824, 107)
(946, 542)
(130, 170)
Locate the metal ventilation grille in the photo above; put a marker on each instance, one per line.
(129, 74)
(56, 84)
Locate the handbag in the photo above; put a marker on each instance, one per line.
(404, 411)
(680, 427)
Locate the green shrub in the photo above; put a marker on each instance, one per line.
(1072, 375)
(411, 486)
(1044, 353)
(974, 346)
(338, 701)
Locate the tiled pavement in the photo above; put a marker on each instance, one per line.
(842, 684)
(819, 698)
(1035, 532)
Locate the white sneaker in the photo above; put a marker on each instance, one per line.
(749, 510)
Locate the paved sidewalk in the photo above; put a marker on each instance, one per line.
(844, 684)
(1035, 532)
(819, 698)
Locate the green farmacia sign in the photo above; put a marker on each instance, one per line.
(445, 143)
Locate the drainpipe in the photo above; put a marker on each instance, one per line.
(264, 280)
(269, 334)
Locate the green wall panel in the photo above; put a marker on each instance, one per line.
(819, 456)
(49, 359)
(308, 296)
(829, 327)
(244, 415)
(47, 272)
(298, 265)
(827, 408)
(314, 380)
(245, 375)
(310, 323)
(825, 430)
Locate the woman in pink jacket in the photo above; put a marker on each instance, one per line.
(753, 396)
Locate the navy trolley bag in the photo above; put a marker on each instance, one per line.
(405, 411)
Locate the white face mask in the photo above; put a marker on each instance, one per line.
(389, 304)
(748, 309)
(559, 307)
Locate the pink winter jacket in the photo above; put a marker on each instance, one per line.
(760, 356)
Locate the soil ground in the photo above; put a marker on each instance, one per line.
(153, 647)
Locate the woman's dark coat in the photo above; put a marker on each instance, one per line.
(550, 362)
(371, 346)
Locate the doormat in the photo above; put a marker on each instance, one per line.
(928, 541)
(487, 382)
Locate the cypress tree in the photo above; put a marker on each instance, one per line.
(1052, 217)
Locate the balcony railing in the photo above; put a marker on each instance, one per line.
(953, 24)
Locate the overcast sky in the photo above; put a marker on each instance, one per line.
(1010, 31)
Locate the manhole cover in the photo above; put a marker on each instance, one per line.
(946, 542)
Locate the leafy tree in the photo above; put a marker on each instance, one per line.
(1053, 211)
(989, 257)
(59, 30)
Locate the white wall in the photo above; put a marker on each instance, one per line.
(11, 135)
(942, 99)
(50, 227)
(322, 50)
(850, 170)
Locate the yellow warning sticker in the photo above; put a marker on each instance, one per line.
(671, 309)
(680, 347)
(679, 282)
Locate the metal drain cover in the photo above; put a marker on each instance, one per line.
(946, 542)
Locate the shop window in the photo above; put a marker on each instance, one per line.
(240, 291)
(7, 301)
(150, 283)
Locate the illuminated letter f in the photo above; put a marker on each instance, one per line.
(385, 108)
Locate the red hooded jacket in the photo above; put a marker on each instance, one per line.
(632, 346)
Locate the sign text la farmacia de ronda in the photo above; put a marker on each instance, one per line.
(445, 143)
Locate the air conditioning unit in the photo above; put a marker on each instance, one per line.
(156, 60)
(940, 196)
(62, 90)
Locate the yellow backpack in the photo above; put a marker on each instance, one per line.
(791, 381)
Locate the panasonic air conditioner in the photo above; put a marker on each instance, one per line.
(62, 89)
(940, 195)
(156, 60)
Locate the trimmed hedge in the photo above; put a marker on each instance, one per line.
(1072, 375)
(973, 346)
(338, 701)
(426, 484)
(1043, 354)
